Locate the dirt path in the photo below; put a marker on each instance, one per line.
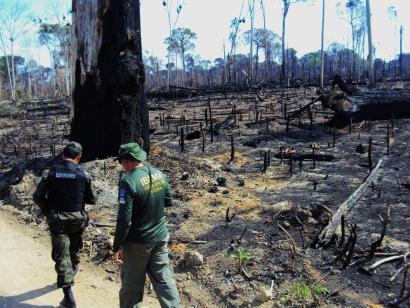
(27, 277)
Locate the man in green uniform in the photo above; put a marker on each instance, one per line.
(141, 235)
(61, 195)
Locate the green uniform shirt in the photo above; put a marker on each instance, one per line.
(141, 217)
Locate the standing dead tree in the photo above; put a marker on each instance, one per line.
(109, 104)
(14, 23)
(286, 6)
(370, 44)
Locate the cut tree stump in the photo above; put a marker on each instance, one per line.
(332, 228)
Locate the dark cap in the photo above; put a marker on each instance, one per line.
(133, 149)
(73, 149)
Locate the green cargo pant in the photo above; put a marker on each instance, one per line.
(151, 259)
(66, 241)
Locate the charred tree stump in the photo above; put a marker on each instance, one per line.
(281, 155)
(310, 118)
(211, 122)
(291, 164)
(232, 150)
(351, 246)
(203, 138)
(392, 124)
(109, 103)
(388, 138)
(369, 154)
(385, 221)
(16, 152)
(182, 141)
(265, 162)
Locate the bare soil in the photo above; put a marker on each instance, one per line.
(27, 272)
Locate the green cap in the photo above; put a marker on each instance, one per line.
(132, 149)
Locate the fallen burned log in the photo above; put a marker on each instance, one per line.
(331, 229)
(374, 105)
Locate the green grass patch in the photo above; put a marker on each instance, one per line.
(302, 292)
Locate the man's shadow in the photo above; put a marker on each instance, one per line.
(17, 300)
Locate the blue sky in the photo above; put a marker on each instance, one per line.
(210, 19)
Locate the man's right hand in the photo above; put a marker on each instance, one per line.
(117, 256)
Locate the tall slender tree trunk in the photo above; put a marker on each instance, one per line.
(401, 52)
(252, 16)
(370, 43)
(265, 42)
(283, 67)
(353, 62)
(29, 92)
(109, 103)
(10, 78)
(183, 66)
(13, 71)
(67, 70)
(3, 47)
(224, 69)
(256, 64)
(322, 55)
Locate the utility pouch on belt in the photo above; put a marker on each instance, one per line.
(67, 222)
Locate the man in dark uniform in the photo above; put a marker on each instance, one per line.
(141, 235)
(61, 195)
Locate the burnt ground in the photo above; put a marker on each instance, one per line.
(206, 184)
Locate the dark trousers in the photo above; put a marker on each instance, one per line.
(66, 241)
(65, 253)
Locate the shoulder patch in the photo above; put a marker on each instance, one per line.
(121, 198)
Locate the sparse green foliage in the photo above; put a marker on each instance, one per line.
(302, 291)
(181, 41)
(317, 290)
(242, 257)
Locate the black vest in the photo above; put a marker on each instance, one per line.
(67, 184)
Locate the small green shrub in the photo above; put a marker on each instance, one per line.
(242, 257)
(303, 292)
(301, 289)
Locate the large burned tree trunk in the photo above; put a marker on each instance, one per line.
(374, 105)
(109, 104)
(352, 104)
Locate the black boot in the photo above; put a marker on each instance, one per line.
(68, 300)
